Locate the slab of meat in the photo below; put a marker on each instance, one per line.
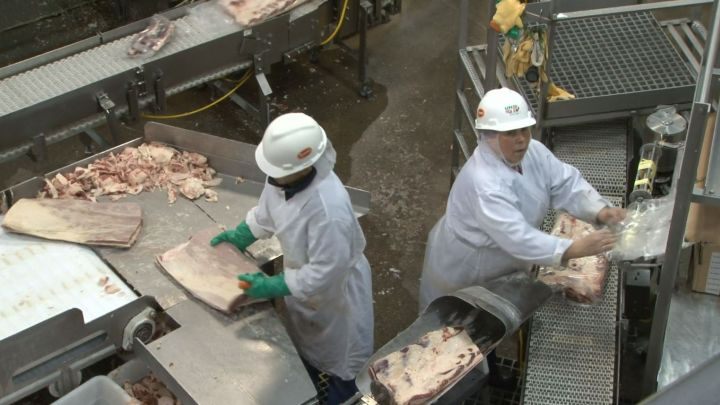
(145, 168)
(583, 279)
(152, 38)
(102, 224)
(419, 372)
(209, 273)
(250, 12)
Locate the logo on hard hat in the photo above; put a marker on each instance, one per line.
(512, 109)
(480, 112)
(304, 153)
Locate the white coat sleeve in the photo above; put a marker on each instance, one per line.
(502, 220)
(259, 220)
(329, 254)
(571, 192)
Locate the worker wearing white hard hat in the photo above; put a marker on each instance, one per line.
(497, 204)
(326, 282)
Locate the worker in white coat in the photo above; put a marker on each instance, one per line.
(326, 281)
(497, 204)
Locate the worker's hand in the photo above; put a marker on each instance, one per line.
(590, 245)
(262, 286)
(611, 215)
(241, 237)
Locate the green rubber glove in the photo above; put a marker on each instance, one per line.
(262, 286)
(241, 237)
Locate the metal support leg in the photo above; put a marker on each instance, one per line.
(133, 102)
(491, 80)
(235, 98)
(265, 91)
(365, 88)
(378, 11)
(108, 107)
(38, 153)
(160, 96)
(696, 129)
(122, 8)
(93, 136)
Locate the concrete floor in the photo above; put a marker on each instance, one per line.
(395, 145)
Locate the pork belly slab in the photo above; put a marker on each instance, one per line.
(251, 12)
(418, 372)
(102, 224)
(209, 273)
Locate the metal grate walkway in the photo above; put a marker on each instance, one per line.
(614, 55)
(572, 348)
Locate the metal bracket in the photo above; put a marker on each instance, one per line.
(136, 89)
(160, 95)
(39, 151)
(365, 13)
(91, 135)
(108, 107)
(140, 82)
(265, 91)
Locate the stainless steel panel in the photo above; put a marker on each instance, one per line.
(692, 334)
(244, 359)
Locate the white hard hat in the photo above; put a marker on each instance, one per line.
(291, 143)
(503, 110)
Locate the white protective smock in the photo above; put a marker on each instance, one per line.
(491, 226)
(330, 306)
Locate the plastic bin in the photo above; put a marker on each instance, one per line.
(99, 390)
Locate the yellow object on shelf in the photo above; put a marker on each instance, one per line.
(556, 93)
(507, 15)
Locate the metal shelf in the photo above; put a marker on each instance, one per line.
(612, 63)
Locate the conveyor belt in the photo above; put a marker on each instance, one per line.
(572, 348)
(605, 57)
(63, 76)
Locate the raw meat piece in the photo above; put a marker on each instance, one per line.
(103, 224)
(584, 278)
(152, 38)
(251, 12)
(145, 168)
(209, 273)
(211, 195)
(421, 371)
(150, 391)
(192, 188)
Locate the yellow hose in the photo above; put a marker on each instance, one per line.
(242, 81)
(339, 25)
